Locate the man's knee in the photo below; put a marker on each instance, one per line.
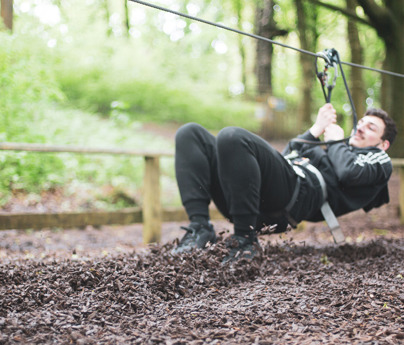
(230, 137)
(187, 131)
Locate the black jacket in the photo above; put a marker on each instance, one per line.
(356, 177)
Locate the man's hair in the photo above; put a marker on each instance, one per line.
(390, 130)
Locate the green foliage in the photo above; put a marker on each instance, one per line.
(113, 78)
(25, 81)
(144, 100)
(28, 114)
(27, 86)
(29, 171)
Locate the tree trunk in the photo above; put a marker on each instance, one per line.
(107, 16)
(392, 96)
(357, 84)
(306, 25)
(239, 12)
(265, 26)
(126, 13)
(264, 52)
(7, 13)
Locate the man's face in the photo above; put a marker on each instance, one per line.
(369, 132)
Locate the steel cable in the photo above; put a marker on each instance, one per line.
(261, 37)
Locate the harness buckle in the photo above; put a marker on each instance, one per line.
(302, 161)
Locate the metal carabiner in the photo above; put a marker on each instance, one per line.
(322, 76)
(328, 56)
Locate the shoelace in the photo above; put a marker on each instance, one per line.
(189, 231)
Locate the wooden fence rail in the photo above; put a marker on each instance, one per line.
(151, 214)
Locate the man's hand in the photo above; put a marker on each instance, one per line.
(333, 132)
(326, 115)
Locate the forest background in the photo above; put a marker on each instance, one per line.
(93, 73)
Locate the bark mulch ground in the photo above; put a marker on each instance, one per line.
(290, 294)
(102, 286)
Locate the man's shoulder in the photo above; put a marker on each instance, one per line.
(371, 155)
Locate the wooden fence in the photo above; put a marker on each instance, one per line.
(151, 214)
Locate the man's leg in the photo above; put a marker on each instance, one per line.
(196, 171)
(198, 182)
(255, 178)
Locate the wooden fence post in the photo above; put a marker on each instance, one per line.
(7, 13)
(152, 211)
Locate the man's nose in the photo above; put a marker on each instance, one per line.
(360, 127)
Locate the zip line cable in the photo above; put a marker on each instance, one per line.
(261, 37)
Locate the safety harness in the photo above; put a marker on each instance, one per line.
(297, 162)
(331, 58)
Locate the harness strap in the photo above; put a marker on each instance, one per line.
(332, 222)
(320, 179)
(295, 161)
(292, 201)
(294, 195)
(326, 210)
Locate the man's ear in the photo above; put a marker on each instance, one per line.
(384, 145)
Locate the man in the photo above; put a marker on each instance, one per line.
(253, 185)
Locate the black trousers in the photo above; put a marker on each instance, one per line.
(247, 179)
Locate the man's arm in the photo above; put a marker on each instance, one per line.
(362, 169)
